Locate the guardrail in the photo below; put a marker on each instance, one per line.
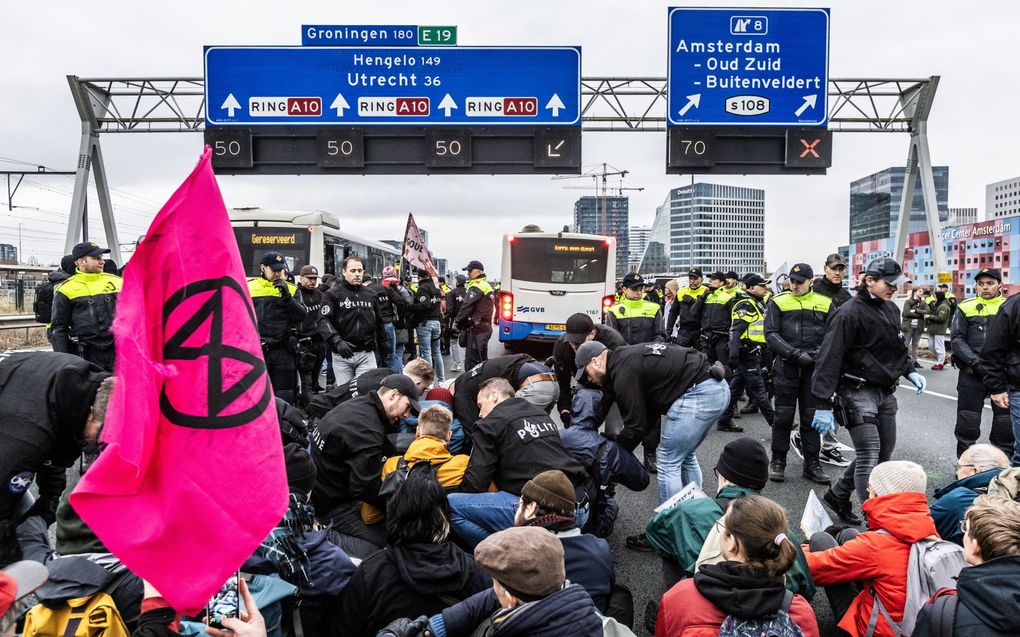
(20, 322)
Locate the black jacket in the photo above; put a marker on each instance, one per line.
(83, 307)
(795, 324)
(645, 380)
(735, 590)
(405, 581)
(479, 304)
(1001, 351)
(863, 339)
(389, 300)
(352, 312)
(714, 310)
(312, 300)
(837, 293)
(986, 601)
(370, 381)
(278, 316)
(513, 444)
(349, 446)
(465, 388)
(564, 361)
(454, 301)
(427, 301)
(569, 612)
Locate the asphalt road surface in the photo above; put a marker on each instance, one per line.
(925, 435)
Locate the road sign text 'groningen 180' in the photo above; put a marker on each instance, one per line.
(502, 86)
(748, 66)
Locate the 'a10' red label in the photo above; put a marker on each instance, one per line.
(304, 106)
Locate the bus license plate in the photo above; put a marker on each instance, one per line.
(555, 327)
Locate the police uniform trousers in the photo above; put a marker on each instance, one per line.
(717, 348)
(311, 354)
(477, 345)
(793, 390)
(100, 356)
(870, 414)
(687, 338)
(282, 370)
(971, 395)
(747, 375)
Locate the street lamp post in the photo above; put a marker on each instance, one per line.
(21, 254)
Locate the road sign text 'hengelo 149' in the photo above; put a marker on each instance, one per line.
(748, 66)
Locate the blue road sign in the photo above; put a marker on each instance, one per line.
(398, 85)
(358, 35)
(740, 66)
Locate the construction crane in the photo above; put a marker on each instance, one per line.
(600, 177)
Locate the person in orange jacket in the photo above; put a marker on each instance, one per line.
(849, 565)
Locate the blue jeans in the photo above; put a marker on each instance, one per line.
(687, 423)
(429, 346)
(1014, 416)
(393, 360)
(476, 516)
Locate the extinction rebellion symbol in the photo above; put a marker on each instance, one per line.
(236, 390)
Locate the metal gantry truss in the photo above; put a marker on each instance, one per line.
(610, 104)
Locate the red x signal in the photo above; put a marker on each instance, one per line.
(810, 148)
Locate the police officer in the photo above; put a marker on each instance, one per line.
(747, 342)
(681, 315)
(474, 319)
(580, 329)
(50, 404)
(351, 324)
(84, 306)
(860, 363)
(530, 379)
(831, 283)
(311, 347)
(636, 319)
(454, 300)
(970, 323)
(795, 323)
(279, 314)
(715, 309)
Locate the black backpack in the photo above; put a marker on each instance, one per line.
(42, 306)
(392, 482)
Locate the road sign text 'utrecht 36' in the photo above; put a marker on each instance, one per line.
(748, 66)
(366, 86)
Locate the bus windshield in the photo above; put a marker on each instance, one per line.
(553, 260)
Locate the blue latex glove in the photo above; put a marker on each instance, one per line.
(917, 381)
(824, 422)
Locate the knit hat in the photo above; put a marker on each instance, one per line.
(745, 463)
(440, 393)
(525, 559)
(552, 490)
(898, 476)
(300, 468)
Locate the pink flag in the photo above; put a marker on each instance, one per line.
(192, 478)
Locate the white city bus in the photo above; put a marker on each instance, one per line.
(548, 276)
(304, 237)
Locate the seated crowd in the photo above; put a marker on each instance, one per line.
(466, 510)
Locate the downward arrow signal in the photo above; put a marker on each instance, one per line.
(549, 149)
(555, 105)
(231, 105)
(339, 103)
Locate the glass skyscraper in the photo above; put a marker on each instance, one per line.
(588, 219)
(875, 203)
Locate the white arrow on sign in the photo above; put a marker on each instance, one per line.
(555, 105)
(809, 102)
(549, 149)
(693, 101)
(448, 104)
(231, 105)
(339, 103)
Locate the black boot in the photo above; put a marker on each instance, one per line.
(750, 408)
(638, 543)
(730, 427)
(650, 462)
(842, 508)
(813, 472)
(777, 469)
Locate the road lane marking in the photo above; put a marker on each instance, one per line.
(934, 393)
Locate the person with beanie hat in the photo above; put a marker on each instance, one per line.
(51, 405)
(547, 501)
(530, 593)
(300, 469)
(685, 536)
(897, 515)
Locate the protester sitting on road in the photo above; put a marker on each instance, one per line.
(748, 586)
(529, 596)
(686, 536)
(513, 442)
(348, 446)
(615, 464)
(51, 404)
(851, 565)
(430, 445)
(974, 470)
(547, 501)
(986, 592)
(418, 573)
(437, 396)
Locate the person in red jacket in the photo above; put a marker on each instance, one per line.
(748, 585)
(897, 513)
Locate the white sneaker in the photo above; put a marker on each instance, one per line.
(795, 443)
(833, 456)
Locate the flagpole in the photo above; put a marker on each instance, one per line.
(403, 248)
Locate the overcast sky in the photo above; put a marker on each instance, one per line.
(973, 46)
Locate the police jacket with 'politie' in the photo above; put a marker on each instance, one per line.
(352, 312)
(645, 380)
